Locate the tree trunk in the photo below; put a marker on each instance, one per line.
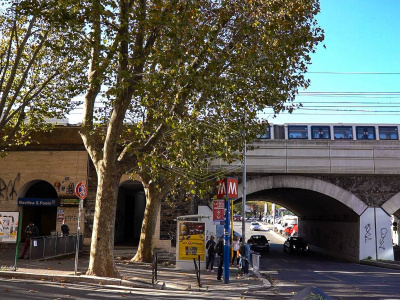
(102, 246)
(153, 204)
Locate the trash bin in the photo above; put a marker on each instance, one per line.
(255, 259)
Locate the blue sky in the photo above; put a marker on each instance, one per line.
(361, 37)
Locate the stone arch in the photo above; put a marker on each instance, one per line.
(308, 183)
(130, 209)
(392, 205)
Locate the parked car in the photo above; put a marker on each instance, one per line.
(296, 244)
(237, 218)
(255, 226)
(252, 218)
(260, 243)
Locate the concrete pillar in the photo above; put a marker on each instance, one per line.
(375, 235)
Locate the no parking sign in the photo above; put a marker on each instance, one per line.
(81, 190)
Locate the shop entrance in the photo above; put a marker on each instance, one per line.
(45, 216)
(130, 211)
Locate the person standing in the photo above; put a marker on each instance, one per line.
(247, 257)
(210, 246)
(235, 250)
(31, 231)
(64, 229)
(219, 249)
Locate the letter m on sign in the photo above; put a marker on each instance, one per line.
(232, 185)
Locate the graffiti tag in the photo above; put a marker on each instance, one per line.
(8, 191)
(368, 234)
(384, 232)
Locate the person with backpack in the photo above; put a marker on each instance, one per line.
(210, 246)
(64, 229)
(31, 231)
(219, 249)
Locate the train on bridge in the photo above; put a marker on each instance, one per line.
(339, 131)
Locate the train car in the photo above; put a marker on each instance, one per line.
(325, 131)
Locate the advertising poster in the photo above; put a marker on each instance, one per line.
(9, 226)
(191, 240)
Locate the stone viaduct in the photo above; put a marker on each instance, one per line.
(344, 192)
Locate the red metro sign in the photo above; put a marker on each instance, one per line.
(228, 188)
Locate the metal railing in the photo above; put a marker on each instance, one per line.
(49, 246)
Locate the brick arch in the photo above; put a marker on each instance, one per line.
(27, 180)
(307, 183)
(392, 205)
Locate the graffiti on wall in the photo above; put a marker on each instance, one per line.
(368, 234)
(384, 232)
(8, 189)
(64, 187)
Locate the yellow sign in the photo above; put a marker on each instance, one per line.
(191, 240)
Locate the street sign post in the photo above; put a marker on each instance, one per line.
(227, 189)
(81, 191)
(218, 211)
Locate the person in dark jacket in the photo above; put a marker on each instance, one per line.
(210, 246)
(64, 229)
(219, 249)
(31, 231)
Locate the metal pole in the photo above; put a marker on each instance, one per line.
(18, 241)
(244, 194)
(227, 246)
(77, 237)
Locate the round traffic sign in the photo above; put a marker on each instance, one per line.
(81, 190)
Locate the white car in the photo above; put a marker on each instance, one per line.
(255, 226)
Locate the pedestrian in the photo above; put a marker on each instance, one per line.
(235, 251)
(31, 231)
(219, 249)
(247, 257)
(210, 246)
(64, 228)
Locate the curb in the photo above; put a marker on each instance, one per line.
(380, 264)
(75, 279)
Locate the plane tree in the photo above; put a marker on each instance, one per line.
(38, 74)
(158, 65)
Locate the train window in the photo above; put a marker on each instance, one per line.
(320, 132)
(297, 132)
(388, 133)
(343, 132)
(365, 132)
(266, 135)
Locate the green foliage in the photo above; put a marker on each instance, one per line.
(163, 66)
(39, 73)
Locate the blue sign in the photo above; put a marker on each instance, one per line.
(37, 202)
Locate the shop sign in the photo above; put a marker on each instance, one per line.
(60, 215)
(191, 240)
(37, 202)
(69, 202)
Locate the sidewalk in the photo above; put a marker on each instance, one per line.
(133, 274)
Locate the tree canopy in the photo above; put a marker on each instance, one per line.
(158, 65)
(39, 72)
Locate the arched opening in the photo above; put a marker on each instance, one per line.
(39, 206)
(328, 215)
(130, 211)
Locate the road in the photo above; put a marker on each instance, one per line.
(39, 290)
(291, 273)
